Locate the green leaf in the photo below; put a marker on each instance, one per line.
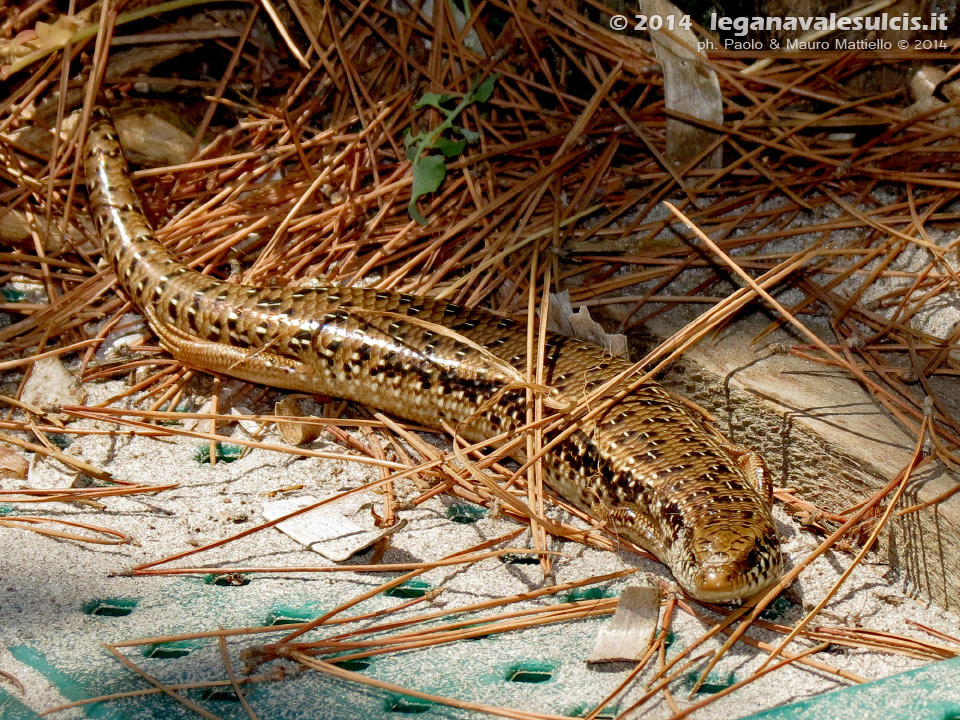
(412, 144)
(484, 90)
(433, 99)
(450, 148)
(413, 212)
(471, 136)
(428, 173)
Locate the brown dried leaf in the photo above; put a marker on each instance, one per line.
(294, 433)
(12, 464)
(56, 35)
(151, 139)
(565, 321)
(51, 386)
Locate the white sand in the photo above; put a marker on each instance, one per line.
(46, 582)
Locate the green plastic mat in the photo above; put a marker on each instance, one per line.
(928, 693)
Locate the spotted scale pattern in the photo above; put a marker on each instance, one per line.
(648, 468)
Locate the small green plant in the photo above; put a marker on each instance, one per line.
(429, 167)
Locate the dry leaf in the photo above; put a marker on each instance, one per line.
(337, 530)
(50, 386)
(580, 325)
(12, 464)
(151, 139)
(690, 87)
(57, 34)
(631, 630)
(295, 433)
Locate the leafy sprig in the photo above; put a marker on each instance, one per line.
(429, 151)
